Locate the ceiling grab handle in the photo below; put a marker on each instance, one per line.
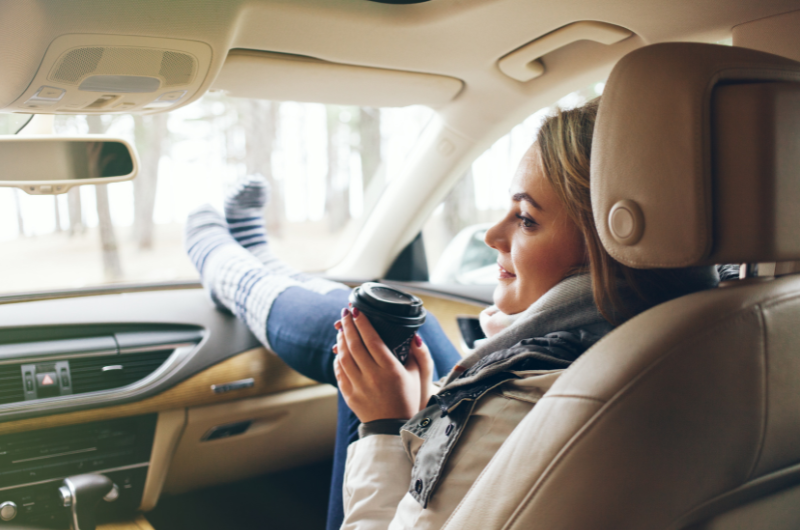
(523, 64)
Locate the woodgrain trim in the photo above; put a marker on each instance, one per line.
(270, 375)
(446, 312)
(140, 523)
(168, 431)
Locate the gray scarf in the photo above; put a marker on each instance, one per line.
(568, 305)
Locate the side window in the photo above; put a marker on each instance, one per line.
(454, 234)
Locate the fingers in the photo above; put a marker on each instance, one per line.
(380, 353)
(371, 391)
(345, 385)
(345, 358)
(421, 356)
(420, 353)
(360, 353)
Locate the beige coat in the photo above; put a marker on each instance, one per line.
(378, 470)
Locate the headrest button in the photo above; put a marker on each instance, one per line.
(626, 222)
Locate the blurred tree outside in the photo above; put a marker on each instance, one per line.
(77, 224)
(75, 210)
(57, 213)
(112, 266)
(151, 142)
(260, 121)
(20, 217)
(337, 179)
(369, 129)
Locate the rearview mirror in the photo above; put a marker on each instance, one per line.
(49, 165)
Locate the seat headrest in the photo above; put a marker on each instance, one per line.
(696, 157)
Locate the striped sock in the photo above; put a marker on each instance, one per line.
(244, 212)
(234, 277)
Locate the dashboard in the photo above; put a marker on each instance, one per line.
(157, 390)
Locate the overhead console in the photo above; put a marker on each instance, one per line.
(84, 74)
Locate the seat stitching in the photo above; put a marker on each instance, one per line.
(765, 412)
(574, 396)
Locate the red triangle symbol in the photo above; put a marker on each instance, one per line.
(47, 380)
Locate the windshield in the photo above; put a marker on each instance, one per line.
(13, 123)
(327, 166)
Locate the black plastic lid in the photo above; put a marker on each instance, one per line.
(387, 301)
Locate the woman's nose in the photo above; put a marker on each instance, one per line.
(494, 237)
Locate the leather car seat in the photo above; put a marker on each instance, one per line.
(688, 415)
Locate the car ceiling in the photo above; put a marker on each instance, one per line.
(457, 38)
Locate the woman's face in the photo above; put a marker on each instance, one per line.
(537, 241)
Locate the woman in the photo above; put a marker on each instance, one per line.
(548, 310)
(421, 449)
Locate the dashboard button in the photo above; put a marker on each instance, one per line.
(46, 379)
(8, 511)
(48, 92)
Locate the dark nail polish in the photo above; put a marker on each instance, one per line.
(345, 312)
(417, 340)
(356, 312)
(337, 324)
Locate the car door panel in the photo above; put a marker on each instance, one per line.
(285, 430)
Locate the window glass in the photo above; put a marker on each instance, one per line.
(12, 123)
(454, 233)
(327, 166)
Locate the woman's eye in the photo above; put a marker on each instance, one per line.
(526, 222)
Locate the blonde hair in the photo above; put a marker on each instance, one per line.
(565, 145)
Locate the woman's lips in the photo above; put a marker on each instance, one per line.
(504, 274)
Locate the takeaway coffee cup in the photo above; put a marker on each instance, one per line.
(395, 315)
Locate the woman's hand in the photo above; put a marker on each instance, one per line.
(372, 381)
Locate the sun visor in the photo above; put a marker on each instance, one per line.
(283, 77)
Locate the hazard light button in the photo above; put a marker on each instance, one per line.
(47, 379)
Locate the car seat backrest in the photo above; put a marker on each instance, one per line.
(686, 416)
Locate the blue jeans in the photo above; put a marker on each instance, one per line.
(300, 330)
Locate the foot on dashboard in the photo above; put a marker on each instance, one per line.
(244, 213)
(234, 278)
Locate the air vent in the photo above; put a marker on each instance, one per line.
(104, 373)
(11, 388)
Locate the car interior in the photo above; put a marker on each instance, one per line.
(684, 417)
